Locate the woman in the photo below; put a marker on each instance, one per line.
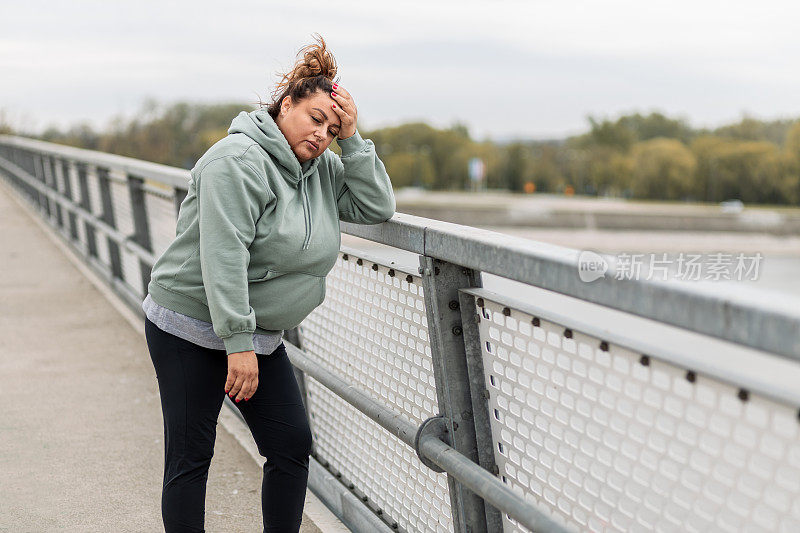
(256, 235)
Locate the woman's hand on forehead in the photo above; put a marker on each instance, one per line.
(345, 107)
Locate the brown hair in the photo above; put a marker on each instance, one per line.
(315, 69)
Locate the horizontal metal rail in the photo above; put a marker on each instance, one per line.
(734, 314)
(468, 473)
(73, 207)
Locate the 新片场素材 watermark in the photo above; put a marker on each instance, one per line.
(684, 266)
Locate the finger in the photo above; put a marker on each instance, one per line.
(344, 103)
(253, 389)
(344, 106)
(248, 389)
(237, 386)
(338, 89)
(344, 99)
(229, 382)
(245, 387)
(343, 115)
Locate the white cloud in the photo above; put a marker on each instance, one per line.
(504, 67)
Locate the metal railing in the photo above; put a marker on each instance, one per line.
(439, 405)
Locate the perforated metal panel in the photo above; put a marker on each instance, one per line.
(95, 199)
(131, 271)
(72, 176)
(121, 200)
(605, 440)
(372, 332)
(162, 219)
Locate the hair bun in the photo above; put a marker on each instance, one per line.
(315, 69)
(316, 61)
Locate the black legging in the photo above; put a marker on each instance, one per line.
(191, 381)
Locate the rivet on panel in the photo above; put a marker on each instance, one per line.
(743, 395)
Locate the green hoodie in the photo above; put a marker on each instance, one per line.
(258, 232)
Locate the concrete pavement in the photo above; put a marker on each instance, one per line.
(81, 431)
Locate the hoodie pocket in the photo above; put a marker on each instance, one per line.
(269, 275)
(281, 300)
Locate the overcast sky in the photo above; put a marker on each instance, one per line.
(532, 69)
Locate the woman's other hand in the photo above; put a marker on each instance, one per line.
(345, 107)
(242, 375)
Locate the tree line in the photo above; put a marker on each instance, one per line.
(634, 156)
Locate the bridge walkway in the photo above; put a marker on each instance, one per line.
(82, 445)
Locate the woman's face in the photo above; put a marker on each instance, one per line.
(309, 125)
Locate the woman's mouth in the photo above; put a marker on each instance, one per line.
(313, 146)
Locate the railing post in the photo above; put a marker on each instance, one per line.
(141, 224)
(41, 175)
(73, 219)
(51, 164)
(109, 218)
(86, 204)
(440, 282)
(470, 321)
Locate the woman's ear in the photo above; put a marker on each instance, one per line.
(286, 104)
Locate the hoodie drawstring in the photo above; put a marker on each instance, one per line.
(306, 212)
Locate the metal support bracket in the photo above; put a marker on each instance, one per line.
(435, 426)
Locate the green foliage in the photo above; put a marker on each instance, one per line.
(753, 171)
(647, 156)
(5, 123)
(627, 130)
(663, 168)
(750, 129)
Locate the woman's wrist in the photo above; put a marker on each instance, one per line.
(351, 144)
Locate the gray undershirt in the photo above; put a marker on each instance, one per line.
(198, 331)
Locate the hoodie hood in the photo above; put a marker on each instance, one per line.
(260, 126)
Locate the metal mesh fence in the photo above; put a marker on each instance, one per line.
(607, 439)
(599, 436)
(372, 332)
